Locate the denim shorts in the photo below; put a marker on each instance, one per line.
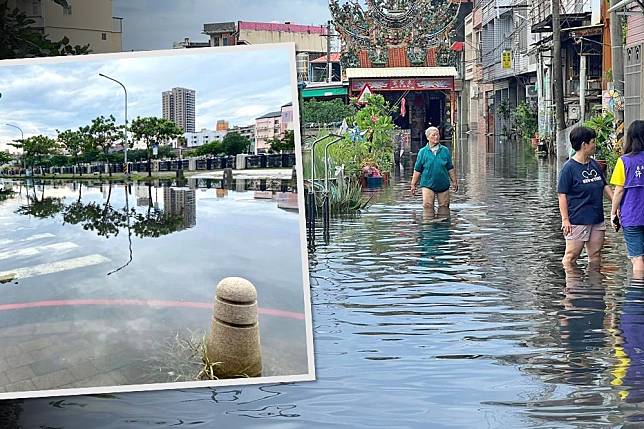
(634, 238)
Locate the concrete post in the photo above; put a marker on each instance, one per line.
(234, 334)
(228, 177)
(192, 164)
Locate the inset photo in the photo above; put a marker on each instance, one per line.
(151, 230)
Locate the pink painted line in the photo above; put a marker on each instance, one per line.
(139, 302)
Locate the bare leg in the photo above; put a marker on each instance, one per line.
(594, 248)
(573, 250)
(428, 198)
(638, 267)
(443, 199)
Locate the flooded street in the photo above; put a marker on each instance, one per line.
(465, 321)
(101, 283)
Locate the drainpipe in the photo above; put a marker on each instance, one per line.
(582, 87)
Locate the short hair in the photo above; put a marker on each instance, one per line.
(580, 135)
(432, 129)
(634, 138)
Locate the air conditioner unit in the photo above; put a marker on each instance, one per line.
(531, 91)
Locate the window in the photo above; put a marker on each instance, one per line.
(225, 41)
(68, 10)
(103, 36)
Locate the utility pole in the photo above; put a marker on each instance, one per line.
(617, 58)
(329, 64)
(556, 64)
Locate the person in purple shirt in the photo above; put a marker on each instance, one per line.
(581, 190)
(627, 209)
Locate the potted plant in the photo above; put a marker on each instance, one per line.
(603, 125)
(372, 175)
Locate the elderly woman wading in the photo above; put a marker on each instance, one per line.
(434, 169)
(581, 190)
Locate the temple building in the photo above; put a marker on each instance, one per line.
(407, 51)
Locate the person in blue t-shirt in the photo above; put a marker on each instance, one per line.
(581, 190)
(434, 169)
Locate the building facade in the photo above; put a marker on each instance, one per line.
(81, 21)
(247, 131)
(286, 119)
(182, 203)
(633, 62)
(307, 38)
(222, 125)
(203, 137)
(267, 127)
(178, 105)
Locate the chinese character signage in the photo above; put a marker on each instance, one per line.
(506, 59)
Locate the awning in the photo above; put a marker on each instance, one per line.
(323, 92)
(394, 72)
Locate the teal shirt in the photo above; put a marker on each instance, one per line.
(434, 169)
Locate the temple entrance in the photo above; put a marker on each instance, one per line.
(422, 110)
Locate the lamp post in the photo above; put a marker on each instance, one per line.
(125, 128)
(22, 137)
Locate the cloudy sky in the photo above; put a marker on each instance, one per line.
(156, 24)
(230, 84)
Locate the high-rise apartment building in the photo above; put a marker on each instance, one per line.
(178, 105)
(182, 203)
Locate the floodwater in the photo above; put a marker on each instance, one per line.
(467, 321)
(103, 282)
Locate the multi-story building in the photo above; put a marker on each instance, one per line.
(181, 202)
(247, 131)
(178, 105)
(286, 118)
(307, 38)
(82, 22)
(503, 69)
(222, 125)
(202, 137)
(267, 127)
(584, 59)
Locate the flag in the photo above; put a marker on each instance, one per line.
(403, 111)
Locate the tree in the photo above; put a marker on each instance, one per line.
(101, 135)
(235, 143)
(5, 157)
(19, 39)
(211, 148)
(36, 149)
(286, 143)
(74, 143)
(153, 131)
(325, 112)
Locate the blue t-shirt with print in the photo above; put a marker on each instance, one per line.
(583, 185)
(434, 168)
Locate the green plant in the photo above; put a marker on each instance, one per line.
(526, 121)
(324, 112)
(603, 125)
(371, 142)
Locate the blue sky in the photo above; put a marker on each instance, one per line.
(236, 84)
(156, 24)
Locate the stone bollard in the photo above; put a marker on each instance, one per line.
(228, 177)
(234, 333)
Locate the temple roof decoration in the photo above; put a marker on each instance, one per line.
(395, 32)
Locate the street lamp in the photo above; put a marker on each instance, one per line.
(125, 129)
(22, 137)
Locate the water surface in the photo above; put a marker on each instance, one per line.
(466, 321)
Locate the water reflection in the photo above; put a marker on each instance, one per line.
(465, 321)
